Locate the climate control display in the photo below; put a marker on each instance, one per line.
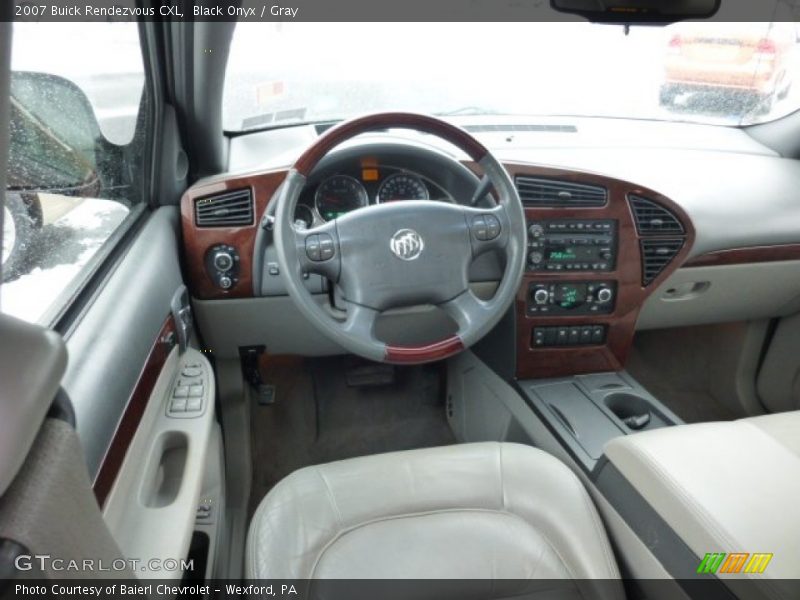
(572, 297)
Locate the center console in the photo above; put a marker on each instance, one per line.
(596, 248)
(587, 411)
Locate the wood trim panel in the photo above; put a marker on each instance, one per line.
(197, 240)
(134, 410)
(741, 256)
(556, 362)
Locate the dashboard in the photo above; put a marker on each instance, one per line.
(593, 276)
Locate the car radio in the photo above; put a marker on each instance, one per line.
(572, 297)
(572, 245)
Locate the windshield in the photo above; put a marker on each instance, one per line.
(720, 73)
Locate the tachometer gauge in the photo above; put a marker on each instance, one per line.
(402, 186)
(338, 195)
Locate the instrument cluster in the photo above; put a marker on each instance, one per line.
(336, 194)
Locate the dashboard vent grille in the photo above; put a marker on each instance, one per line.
(656, 255)
(653, 219)
(536, 192)
(231, 209)
(504, 128)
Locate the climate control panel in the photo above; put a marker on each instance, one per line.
(571, 297)
(222, 265)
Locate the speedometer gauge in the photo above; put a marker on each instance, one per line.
(402, 186)
(338, 195)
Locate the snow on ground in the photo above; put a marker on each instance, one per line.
(59, 252)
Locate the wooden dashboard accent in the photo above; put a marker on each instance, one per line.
(561, 361)
(134, 410)
(197, 240)
(740, 256)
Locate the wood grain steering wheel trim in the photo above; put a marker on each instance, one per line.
(418, 354)
(333, 137)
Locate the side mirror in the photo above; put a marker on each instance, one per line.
(638, 11)
(53, 135)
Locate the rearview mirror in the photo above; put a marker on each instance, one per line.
(638, 11)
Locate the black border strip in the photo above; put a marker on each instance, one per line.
(675, 556)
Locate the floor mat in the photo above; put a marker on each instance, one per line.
(317, 418)
(677, 373)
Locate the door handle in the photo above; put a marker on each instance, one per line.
(182, 314)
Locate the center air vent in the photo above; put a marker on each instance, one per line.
(231, 209)
(538, 192)
(656, 255)
(652, 218)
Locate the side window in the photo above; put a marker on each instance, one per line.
(74, 176)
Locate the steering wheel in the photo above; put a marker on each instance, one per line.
(400, 254)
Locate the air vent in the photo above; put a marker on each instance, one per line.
(231, 209)
(550, 192)
(503, 128)
(656, 255)
(652, 218)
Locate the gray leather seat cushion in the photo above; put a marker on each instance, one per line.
(484, 510)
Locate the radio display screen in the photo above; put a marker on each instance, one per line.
(572, 253)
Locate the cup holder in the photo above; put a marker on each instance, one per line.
(632, 410)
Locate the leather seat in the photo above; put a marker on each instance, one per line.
(728, 487)
(478, 511)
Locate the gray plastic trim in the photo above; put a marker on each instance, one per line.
(577, 411)
(724, 294)
(151, 508)
(110, 344)
(277, 323)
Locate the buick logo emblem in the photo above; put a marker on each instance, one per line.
(406, 244)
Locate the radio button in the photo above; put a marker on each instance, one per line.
(492, 227)
(537, 231)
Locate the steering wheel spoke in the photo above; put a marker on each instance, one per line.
(466, 310)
